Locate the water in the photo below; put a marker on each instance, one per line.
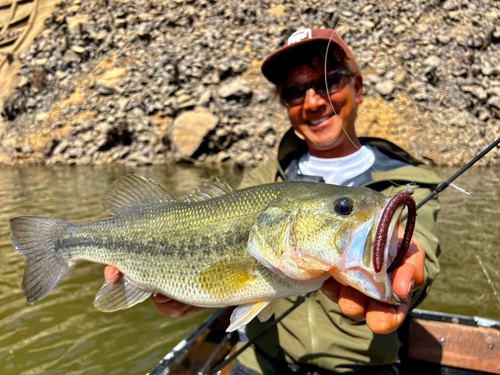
(65, 334)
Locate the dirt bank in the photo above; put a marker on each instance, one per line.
(150, 82)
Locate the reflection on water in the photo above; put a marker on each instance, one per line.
(65, 334)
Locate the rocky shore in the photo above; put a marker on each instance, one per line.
(151, 82)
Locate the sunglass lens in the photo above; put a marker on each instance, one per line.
(293, 96)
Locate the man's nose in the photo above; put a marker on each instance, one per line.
(312, 100)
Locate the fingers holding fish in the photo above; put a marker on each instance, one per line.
(353, 303)
(112, 274)
(331, 289)
(383, 318)
(173, 308)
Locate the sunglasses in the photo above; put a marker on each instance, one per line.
(295, 94)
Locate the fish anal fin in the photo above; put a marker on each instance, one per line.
(228, 277)
(300, 265)
(119, 295)
(243, 314)
(133, 190)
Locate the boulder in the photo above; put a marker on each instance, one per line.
(190, 128)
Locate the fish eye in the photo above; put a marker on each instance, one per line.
(343, 206)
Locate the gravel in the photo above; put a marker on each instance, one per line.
(107, 79)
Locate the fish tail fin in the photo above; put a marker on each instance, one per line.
(38, 240)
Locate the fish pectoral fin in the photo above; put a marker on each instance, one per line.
(133, 190)
(119, 295)
(268, 311)
(227, 278)
(243, 314)
(300, 265)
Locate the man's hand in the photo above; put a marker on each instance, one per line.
(380, 317)
(166, 305)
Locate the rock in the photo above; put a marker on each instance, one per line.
(222, 156)
(190, 128)
(269, 140)
(183, 98)
(494, 101)
(60, 74)
(77, 20)
(443, 38)
(262, 96)
(243, 145)
(418, 91)
(60, 147)
(188, 103)
(204, 98)
(372, 78)
(399, 76)
(235, 90)
(78, 49)
(243, 158)
(370, 25)
(475, 41)
(433, 61)
(40, 117)
(475, 90)
(71, 57)
(385, 87)
(22, 81)
(496, 33)
(488, 70)
(277, 12)
(450, 5)
(399, 29)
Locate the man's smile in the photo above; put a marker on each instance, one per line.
(319, 121)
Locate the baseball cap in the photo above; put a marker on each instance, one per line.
(304, 44)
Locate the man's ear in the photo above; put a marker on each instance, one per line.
(358, 88)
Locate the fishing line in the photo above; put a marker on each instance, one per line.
(371, 165)
(488, 277)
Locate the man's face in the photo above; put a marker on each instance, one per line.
(319, 123)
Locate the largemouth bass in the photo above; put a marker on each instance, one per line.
(220, 246)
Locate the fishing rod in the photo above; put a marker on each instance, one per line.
(448, 182)
(435, 192)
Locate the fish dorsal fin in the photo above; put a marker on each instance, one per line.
(133, 190)
(210, 190)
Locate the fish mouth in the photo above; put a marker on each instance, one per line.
(389, 224)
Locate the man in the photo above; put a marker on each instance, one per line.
(339, 330)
